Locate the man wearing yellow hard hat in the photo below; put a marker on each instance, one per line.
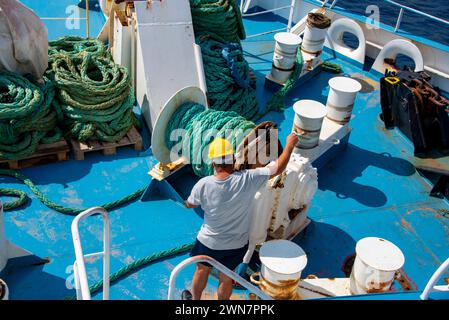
(226, 200)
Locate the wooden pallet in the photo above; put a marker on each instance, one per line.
(45, 153)
(132, 138)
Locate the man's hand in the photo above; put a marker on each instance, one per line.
(292, 140)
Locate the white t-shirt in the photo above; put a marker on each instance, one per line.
(227, 205)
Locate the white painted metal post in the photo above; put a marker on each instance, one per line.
(245, 5)
(79, 295)
(79, 266)
(106, 255)
(234, 276)
(333, 4)
(87, 19)
(242, 4)
(398, 22)
(292, 12)
(3, 242)
(434, 279)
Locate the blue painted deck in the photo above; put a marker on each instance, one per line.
(370, 190)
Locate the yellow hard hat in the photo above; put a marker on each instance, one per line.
(220, 148)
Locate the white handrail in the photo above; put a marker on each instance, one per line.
(417, 11)
(292, 7)
(234, 276)
(333, 4)
(79, 267)
(323, 3)
(266, 11)
(264, 33)
(430, 287)
(401, 12)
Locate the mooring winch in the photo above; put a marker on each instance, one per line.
(280, 207)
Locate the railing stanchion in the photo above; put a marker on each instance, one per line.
(234, 276)
(290, 17)
(398, 22)
(87, 20)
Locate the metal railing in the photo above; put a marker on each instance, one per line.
(431, 285)
(234, 276)
(244, 5)
(79, 266)
(401, 12)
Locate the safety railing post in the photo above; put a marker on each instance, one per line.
(291, 6)
(87, 20)
(290, 17)
(333, 4)
(430, 287)
(398, 22)
(234, 276)
(79, 267)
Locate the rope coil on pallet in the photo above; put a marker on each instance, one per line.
(95, 94)
(27, 116)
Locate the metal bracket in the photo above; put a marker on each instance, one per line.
(161, 171)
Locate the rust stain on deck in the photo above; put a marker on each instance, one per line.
(406, 225)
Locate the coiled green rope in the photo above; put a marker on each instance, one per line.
(72, 46)
(228, 88)
(49, 203)
(94, 93)
(220, 17)
(196, 120)
(27, 116)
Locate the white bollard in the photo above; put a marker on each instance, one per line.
(341, 98)
(309, 115)
(282, 264)
(315, 33)
(284, 57)
(375, 265)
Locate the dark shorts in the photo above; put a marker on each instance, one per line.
(229, 258)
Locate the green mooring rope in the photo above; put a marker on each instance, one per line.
(331, 67)
(132, 267)
(119, 274)
(96, 99)
(27, 116)
(277, 100)
(224, 91)
(46, 201)
(72, 46)
(94, 93)
(220, 17)
(195, 119)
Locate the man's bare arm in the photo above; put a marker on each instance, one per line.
(189, 205)
(284, 158)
